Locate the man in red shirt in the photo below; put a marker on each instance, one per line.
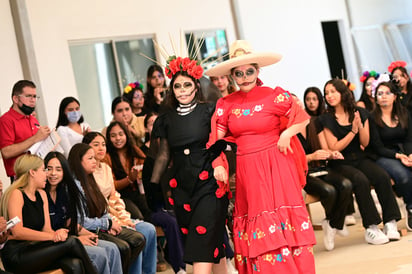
(19, 130)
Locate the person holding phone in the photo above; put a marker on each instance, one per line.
(156, 88)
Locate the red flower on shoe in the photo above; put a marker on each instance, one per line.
(203, 175)
(184, 230)
(173, 183)
(187, 207)
(216, 252)
(201, 229)
(171, 201)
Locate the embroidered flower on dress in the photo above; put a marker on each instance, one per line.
(173, 183)
(305, 226)
(201, 229)
(272, 229)
(246, 112)
(187, 207)
(171, 201)
(297, 251)
(184, 230)
(219, 112)
(258, 108)
(285, 251)
(279, 257)
(203, 175)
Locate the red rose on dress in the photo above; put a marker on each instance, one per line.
(216, 253)
(184, 230)
(201, 229)
(171, 201)
(220, 192)
(173, 183)
(203, 175)
(187, 207)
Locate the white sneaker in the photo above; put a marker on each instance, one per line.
(328, 235)
(350, 220)
(391, 231)
(230, 267)
(374, 236)
(344, 232)
(181, 271)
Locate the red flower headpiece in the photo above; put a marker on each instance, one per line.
(175, 64)
(367, 74)
(396, 64)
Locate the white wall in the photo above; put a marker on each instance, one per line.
(10, 66)
(54, 23)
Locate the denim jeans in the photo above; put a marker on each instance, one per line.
(402, 176)
(105, 257)
(146, 262)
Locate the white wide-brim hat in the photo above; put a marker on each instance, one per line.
(241, 53)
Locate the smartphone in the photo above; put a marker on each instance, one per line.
(12, 222)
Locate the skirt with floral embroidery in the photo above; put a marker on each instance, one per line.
(271, 227)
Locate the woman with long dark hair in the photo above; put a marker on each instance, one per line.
(64, 206)
(346, 129)
(33, 245)
(155, 89)
(70, 125)
(96, 218)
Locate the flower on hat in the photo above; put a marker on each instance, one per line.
(396, 64)
(131, 86)
(175, 64)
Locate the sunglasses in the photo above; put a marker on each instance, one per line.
(240, 74)
(184, 85)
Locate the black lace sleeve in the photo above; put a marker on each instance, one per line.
(162, 160)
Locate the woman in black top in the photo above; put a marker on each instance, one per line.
(34, 246)
(346, 129)
(391, 129)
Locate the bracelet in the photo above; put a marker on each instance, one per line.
(353, 132)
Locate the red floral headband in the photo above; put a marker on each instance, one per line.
(396, 64)
(175, 64)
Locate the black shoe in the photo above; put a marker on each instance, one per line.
(409, 219)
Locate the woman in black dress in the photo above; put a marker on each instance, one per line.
(198, 190)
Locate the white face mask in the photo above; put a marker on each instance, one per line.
(74, 116)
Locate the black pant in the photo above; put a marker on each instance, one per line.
(130, 244)
(363, 173)
(334, 192)
(33, 257)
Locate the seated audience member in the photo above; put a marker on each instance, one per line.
(33, 245)
(400, 75)
(64, 204)
(367, 98)
(333, 190)
(391, 132)
(122, 113)
(96, 218)
(70, 125)
(346, 129)
(134, 93)
(117, 209)
(155, 89)
(19, 129)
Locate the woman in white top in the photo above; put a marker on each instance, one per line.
(70, 124)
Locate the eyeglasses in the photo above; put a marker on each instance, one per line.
(240, 74)
(30, 96)
(186, 85)
(381, 93)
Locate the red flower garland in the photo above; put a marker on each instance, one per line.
(396, 64)
(175, 64)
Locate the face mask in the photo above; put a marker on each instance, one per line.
(26, 109)
(74, 116)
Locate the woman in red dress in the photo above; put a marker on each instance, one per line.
(272, 229)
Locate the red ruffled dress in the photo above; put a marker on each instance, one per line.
(272, 229)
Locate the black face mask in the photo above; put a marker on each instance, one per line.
(26, 109)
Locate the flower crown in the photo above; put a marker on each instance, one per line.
(175, 64)
(367, 74)
(132, 86)
(396, 64)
